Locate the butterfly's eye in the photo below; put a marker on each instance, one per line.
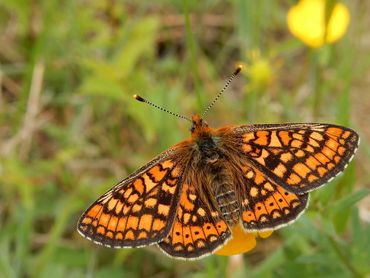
(192, 128)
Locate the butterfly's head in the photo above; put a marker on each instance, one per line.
(199, 126)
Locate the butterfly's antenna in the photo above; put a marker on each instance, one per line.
(238, 69)
(141, 99)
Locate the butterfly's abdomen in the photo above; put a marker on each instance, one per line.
(226, 197)
(228, 205)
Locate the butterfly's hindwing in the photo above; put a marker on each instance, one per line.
(196, 231)
(266, 205)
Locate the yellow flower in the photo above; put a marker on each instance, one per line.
(260, 70)
(241, 242)
(306, 21)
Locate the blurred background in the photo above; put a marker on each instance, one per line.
(69, 128)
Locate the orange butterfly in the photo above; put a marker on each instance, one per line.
(187, 198)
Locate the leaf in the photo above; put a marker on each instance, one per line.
(348, 201)
(340, 211)
(108, 76)
(100, 86)
(140, 40)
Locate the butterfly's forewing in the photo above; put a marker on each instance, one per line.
(139, 210)
(198, 229)
(299, 157)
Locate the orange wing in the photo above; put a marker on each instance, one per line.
(198, 229)
(298, 157)
(266, 205)
(139, 210)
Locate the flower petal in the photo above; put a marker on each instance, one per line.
(306, 21)
(338, 23)
(240, 243)
(264, 234)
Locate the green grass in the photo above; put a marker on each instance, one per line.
(69, 128)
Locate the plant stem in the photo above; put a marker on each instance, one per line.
(318, 84)
(193, 55)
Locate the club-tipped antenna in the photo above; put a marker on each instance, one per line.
(228, 82)
(141, 99)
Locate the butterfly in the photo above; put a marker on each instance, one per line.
(187, 199)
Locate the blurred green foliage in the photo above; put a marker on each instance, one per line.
(69, 128)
